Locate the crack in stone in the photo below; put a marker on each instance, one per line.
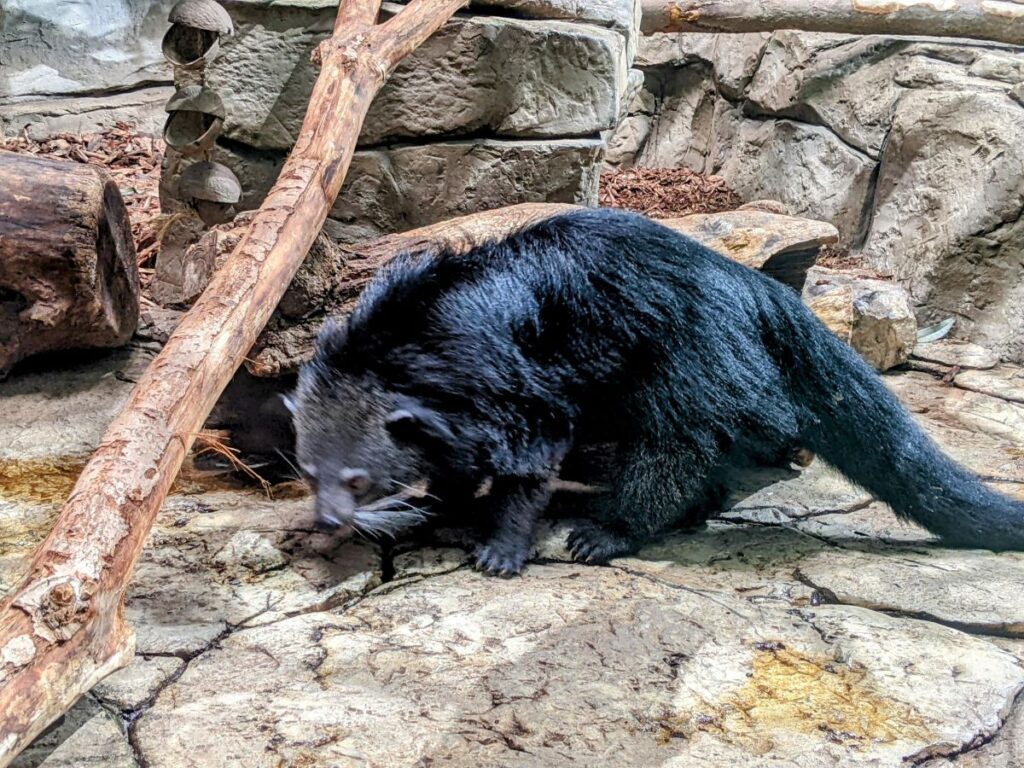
(828, 597)
(975, 744)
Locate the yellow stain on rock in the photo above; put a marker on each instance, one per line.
(789, 692)
(41, 481)
(49, 480)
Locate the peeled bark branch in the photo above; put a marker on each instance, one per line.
(63, 629)
(998, 20)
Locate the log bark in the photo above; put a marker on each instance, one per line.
(68, 271)
(63, 629)
(998, 20)
(781, 246)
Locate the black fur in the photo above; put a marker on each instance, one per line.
(604, 326)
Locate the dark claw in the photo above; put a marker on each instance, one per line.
(592, 544)
(492, 561)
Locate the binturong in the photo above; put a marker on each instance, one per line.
(601, 326)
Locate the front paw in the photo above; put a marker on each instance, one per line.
(496, 559)
(590, 542)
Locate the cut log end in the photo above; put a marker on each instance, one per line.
(68, 271)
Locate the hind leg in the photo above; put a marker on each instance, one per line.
(657, 486)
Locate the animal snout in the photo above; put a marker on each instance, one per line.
(334, 512)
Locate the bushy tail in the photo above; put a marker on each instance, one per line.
(858, 426)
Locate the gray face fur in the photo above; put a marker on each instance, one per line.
(347, 450)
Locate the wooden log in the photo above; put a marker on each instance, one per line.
(68, 271)
(62, 629)
(998, 20)
(781, 246)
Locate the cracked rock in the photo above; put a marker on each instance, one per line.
(131, 687)
(600, 662)
(88, 736)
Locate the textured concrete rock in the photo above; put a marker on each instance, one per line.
(43, 118)
(683, 121)
(733, 58)
(875, 317)
(872, 133)
(845, 83)
(390, 190)
(81, 66)
(833, 184)
(475, 679)
(491, 75)
(959, 249)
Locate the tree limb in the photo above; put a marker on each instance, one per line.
(998, 20)
(63, 629)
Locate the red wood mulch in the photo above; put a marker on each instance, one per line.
(663, 193)
(131, 159)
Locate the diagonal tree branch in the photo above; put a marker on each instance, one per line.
(63, 629)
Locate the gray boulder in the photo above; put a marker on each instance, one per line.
(947, 217)
(910, 146)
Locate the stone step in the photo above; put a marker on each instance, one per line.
(402, 187)
(494, 75)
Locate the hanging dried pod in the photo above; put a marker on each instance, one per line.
(195, 115)
(197, 26)
(212, 190)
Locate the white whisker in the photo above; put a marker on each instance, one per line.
(420, 492)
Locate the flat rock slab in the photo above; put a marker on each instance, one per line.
(806, 627)
(598, 663)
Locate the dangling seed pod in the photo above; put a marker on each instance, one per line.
(212, 190)
(195, 115)
(197, 26)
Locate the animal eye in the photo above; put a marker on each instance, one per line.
(356, 480)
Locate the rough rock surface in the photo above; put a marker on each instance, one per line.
(875, 317)
(80, 66)
(959, 248)
(496, 76)
(510, 102)
(403, 187)
(874, 134)
(805, 627)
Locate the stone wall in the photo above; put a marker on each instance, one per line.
(912, 147)
(79, 65)
(506, 104)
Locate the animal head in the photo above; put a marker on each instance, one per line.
(361, 448)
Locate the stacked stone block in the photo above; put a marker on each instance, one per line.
(510, 102)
